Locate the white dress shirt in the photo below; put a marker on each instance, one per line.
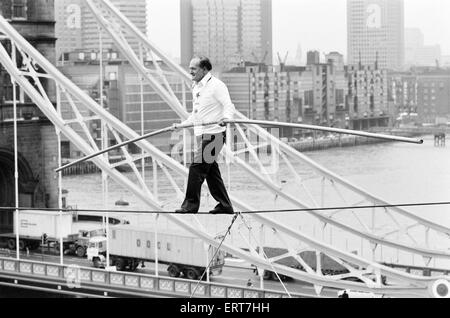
(211, 103)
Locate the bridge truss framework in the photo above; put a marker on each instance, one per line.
(404, 231)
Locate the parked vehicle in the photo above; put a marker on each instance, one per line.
(77, 244)
(44, 228)
(348, 293)
(130, 246)
(408, 120)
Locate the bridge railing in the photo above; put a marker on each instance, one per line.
(130, 283)
(419, 270)
(411, 130)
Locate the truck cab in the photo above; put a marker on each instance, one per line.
(96, 251)
(218, 262)
(78, 243)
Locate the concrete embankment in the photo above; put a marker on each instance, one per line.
(338, 141)
(349, 141)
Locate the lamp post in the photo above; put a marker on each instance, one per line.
(16, 168)
(104, 144)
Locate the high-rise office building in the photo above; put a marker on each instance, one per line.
(417, 53)
(376, 32)
(68, 26)
(312, 57)
(228, 32)
(298, 56)
(135, 11)
(77, 29)
(414, 38)
(336, 58)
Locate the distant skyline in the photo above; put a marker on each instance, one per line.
(314, 24)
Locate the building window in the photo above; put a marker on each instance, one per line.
(138, 243)
(309, 98)
(7, 88)
(112, 76)
(19, 9)
(169, 247)
(149, 244)
(65, 149)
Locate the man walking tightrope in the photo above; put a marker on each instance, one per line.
(211, 103)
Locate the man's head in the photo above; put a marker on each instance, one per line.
(199, 67)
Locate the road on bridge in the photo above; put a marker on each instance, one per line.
(233, 274)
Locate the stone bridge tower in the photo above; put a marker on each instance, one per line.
(37, 141)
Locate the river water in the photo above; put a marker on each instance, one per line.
(395, 172)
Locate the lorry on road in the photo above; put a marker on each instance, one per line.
(186, 255)
(45, 228)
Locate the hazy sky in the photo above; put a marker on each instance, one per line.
(314, 24)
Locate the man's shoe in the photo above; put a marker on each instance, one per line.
(221, 211)
(184, 211)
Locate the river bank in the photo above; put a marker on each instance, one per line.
(314, 144)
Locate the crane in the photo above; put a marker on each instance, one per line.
(261, 63)
(282, 62)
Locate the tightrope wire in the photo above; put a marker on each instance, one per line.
(243, 212)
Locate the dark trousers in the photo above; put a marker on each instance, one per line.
(204, 166)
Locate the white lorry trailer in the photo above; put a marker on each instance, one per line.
(37, 227)
(130, 246)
